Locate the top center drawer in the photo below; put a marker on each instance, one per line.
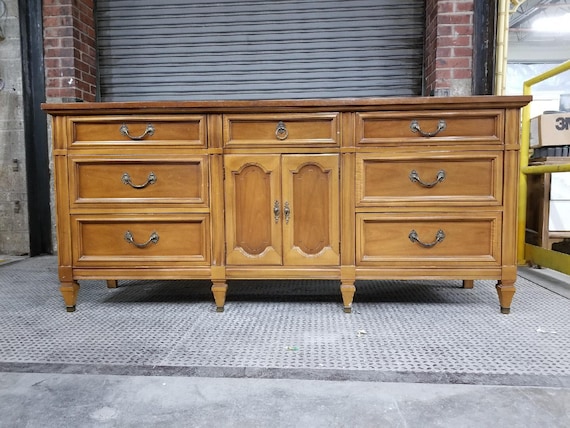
(288, 129)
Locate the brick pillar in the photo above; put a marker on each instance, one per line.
(70, 50)
(448, 56)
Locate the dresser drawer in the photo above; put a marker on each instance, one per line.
(141, 180)
(429, 127)
(460, 239)
(120, 241)
(448, 179)
(139, 131)
(320, 129)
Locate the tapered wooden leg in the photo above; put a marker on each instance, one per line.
(112, 283)
(219, 289)
(468, 283)
(506, 291)
(69, 292)
(347, 290)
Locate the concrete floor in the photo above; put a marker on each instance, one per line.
(470, 377)
(62, 400)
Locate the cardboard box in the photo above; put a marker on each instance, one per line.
(550, 129)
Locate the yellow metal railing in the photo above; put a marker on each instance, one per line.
(505, 9)
(525, 252)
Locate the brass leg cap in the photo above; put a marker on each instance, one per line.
(505, 310)
(70, 308)
(347, 310)
(219, 309)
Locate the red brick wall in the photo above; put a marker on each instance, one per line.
(70, 49)
(448, 55)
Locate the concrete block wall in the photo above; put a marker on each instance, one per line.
(14, 232)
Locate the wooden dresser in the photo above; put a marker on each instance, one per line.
(349, 189)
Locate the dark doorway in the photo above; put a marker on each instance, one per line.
(35, 127)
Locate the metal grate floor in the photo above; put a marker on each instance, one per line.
(422, 331)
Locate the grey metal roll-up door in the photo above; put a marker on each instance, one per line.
(259, 49)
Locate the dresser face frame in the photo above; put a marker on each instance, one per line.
(345, 189)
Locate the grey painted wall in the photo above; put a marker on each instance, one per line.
(14, 235)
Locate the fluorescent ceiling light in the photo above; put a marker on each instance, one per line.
(553, 24)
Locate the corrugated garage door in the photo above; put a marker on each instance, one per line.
(259, 49)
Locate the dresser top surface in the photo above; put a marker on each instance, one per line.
(299, 105)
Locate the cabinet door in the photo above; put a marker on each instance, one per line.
(311, 209)
(253, 228)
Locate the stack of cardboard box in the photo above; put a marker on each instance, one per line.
(550, 135)
(550, 208)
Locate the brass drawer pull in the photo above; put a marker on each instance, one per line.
(415, 178)
(439, 237)
(281, 131)
(126, 179)
(131, 240)
(148, 131)
(287, 212)
(415, 127)
(276, 211)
